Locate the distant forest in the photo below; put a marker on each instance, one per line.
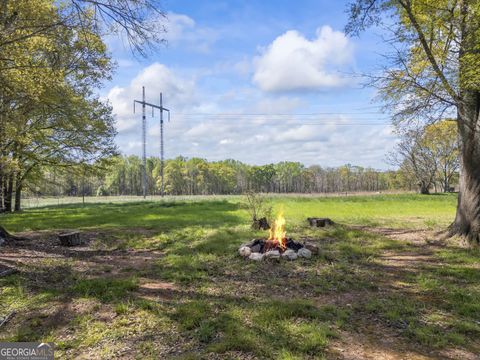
(195, 176)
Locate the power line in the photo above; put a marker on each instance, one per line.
(282, 114)
(144, 138)
(238, 124)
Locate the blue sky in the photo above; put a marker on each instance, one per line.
(256, 81)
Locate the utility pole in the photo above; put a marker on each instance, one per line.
(161, 143)
(144, 137)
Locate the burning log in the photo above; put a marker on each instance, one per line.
(319, 222)
(294, 245)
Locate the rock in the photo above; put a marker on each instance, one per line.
(272, 254)
(290, 254)
(256, 256)
(256, 248)
(244, 251)
(304, 252)
(313, 248)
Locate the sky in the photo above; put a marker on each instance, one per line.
(256, 81)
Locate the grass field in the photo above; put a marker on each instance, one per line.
(163, 280)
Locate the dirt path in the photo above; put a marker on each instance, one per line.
(374, 341)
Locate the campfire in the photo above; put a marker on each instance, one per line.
(278, 245)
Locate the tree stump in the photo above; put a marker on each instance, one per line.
(320, 222)
(260, 224)
(70, 238)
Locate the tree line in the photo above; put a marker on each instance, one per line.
(426, 158)
(195, 176)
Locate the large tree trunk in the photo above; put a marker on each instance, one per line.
(2, 190)
(467, 219)
(8, 193)
(18, 194)
(423, 188)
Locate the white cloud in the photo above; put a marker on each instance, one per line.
(278, 105)
(177, 25)
(183, 30)
(268, 131)
(292, 62)
(302, 133)
(179, 93)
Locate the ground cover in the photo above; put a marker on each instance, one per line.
(163, 279)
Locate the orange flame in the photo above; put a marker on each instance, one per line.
(277, 232)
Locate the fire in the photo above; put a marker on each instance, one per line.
(277, 232)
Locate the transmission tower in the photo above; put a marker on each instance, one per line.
(144, 138)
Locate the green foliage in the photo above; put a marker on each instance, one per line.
(429, 156)
(49, 71)
(123, 175)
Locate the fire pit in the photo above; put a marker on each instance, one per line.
(277, 245)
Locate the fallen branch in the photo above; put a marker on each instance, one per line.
(8, 272)
(5, 236)
(8, 318)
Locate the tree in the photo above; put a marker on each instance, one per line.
(52, 59)
(416, 159)
(441, 138)
(432, 72)
(53, 118)
(137, 20)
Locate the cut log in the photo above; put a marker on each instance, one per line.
(70, 238)
(320, 222)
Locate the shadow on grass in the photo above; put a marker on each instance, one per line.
(222, 303)
(148, 215)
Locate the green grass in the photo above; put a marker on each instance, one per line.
(403, 210)
(165, 275)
